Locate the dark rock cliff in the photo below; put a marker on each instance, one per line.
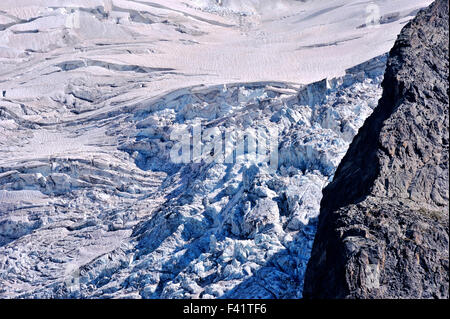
(383, 228)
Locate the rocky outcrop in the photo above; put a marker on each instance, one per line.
(383, 228)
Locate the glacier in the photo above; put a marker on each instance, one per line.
(91, 205)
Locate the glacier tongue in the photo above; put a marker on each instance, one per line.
(129, 222)
(92, 204)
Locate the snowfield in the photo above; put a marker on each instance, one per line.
(91, 93)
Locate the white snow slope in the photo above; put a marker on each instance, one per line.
(91, 206)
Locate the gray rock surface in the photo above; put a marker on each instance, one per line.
(383, 227)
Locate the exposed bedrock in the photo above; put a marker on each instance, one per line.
(383, 226)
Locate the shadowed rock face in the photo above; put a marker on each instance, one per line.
(383, 229)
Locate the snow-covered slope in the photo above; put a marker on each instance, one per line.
(91, 204)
